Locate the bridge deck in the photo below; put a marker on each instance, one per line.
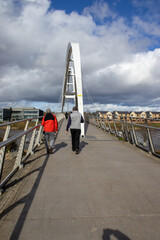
(110, 190)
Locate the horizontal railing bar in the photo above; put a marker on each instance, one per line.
(132, 135)
(152, 119)
(135, 124)
(139, 125)
(11, 139)
(2, 184)
(20, 162)
(22, 120)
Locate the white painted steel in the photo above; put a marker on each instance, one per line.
(142, 136)
(36, 140)
(73, 78)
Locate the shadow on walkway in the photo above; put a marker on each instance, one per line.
(108, 233)
(82, 145)
(86, 127)
(26, 201)
(58, 146)
(33, 160)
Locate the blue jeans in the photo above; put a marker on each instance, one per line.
(49, 140)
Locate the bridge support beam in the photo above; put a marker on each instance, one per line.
(72, 83)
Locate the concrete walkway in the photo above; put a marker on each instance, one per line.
(111, 190)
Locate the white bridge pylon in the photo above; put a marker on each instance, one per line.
(72, 83)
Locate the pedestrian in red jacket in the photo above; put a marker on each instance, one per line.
(50, 124)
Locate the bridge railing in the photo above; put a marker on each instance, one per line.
(140, 135)
(17, 145)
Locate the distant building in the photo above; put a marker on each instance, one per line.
(141, 114)
(133, 116)
(104, 114)
(5, 114)
(121, 115)
(12, 114)
(155, 115)
(25, 113)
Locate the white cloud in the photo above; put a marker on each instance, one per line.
(140, 68)
(150, 28)
(116, 107)
(99, 10)
(33, 44)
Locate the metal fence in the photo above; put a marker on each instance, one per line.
(18, 145)
(142, 136)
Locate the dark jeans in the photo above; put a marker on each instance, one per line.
(75, 134)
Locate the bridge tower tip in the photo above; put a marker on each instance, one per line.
(72, 82)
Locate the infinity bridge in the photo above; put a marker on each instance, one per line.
(110, 190)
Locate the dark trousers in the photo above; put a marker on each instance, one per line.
(75, 134)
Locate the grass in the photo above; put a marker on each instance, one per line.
(118, 125)
(121, 139)
(154, 125)
(21, 125)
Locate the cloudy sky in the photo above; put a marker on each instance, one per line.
(119, 44)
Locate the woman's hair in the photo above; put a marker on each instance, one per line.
(75, 108)
(48, 110)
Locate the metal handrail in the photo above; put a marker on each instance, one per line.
(12, 139)
(35, 141)
(22, 120)
(140, 135)
(131, 123)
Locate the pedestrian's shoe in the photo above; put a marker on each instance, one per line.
(77, 151)
(50, 150)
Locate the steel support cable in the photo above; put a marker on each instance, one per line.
(88, 94)
(90, 100)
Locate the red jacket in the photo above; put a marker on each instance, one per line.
(49, 122)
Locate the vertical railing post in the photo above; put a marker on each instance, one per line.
(106, 124)
(150, 141)
(123, 131)
(100, 123)
(110, 129)
(146, 121)
(37, 143)
(126, 129)
(30, 148)
(21, 149)
(134, 136)
(115, 127)
(41, 138)
(129, 134)
(2, 150)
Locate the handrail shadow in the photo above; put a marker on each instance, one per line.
(26, 201)
(107, 233)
